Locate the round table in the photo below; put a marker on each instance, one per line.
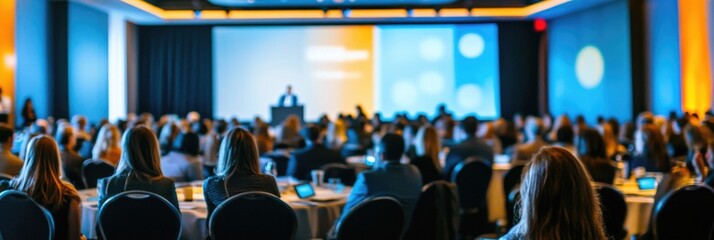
(314, 219)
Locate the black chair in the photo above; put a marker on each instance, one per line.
(345, 173)
(512, 178)
(614, 210)
(4, 176)
(379, 218)
(512, 200)
(472, 177)
(436, 215)
(23, 218)
(253, 215)
(687, 213)
(138, 215)
(93, 170)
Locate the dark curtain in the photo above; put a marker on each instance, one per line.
(518, 50)
(175, 70)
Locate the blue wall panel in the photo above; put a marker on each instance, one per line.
(31, 74)
(589, 63)
(88, 53)
(662, 28)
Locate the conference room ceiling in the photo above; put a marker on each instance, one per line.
(332, 4)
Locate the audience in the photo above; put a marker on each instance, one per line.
(9, 163)
(557, 200)
(312, 157)
(487, 133)
(469, 147)
(40, 179)
(653, 154)
(592, 152)
(704, 165)
(564, 138)
(238, 171)
(403, 182)
(28, 113)
(336, 135)
(183, 163)
(107, 147)
(262, 138)
(213, 142)
(167, 135)
(534, 133)
(289, 133)
(427, 148)
(139, 168)
(71, 161)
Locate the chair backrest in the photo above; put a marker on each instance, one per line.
(23, 218)
(512, 178)
(374, 218)
(4, 176)
(436, 215)
(687, 213)
(614, 210)
(138, 215)
(472, 177)
(93, 170)
(346, 174)
(253, 215)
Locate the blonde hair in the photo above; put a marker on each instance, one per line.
(107, 139)
(557, 199)
(238, 153)
(40, 175)
(427, 144)
(140, 156)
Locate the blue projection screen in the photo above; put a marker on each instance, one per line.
(384, 68)
(589, 63)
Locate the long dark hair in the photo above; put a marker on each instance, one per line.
(140, 154)
(557, 199)
(238, 154)
(591, 144)
(655, 149)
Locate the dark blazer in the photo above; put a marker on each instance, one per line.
(310, 158)
(428, 170)
(72, 167)
(116, 184)
(214, 188)
(403, 182)
(472, 147)
(281, 101)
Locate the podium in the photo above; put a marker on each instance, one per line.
(279, 114)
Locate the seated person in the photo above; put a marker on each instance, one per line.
(40, 179)
(470, 147)
(534, 132)
(9, 163)
(238, 171)
(312, 157)
(183, 163)
(592, 152)
(555, 175)
(393, 179)
(427, 148)
(139, 168)
(71, 161)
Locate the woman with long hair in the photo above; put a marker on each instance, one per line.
(592, 150)
(427, 145)
(28, 113)
(557, 199)
(238, 170)
(139, 168)
(653, 155)
(40, 179)
(107, 147)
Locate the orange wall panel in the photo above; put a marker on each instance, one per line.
(7, 49)
(695, 55)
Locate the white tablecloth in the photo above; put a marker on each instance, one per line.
(314, 219)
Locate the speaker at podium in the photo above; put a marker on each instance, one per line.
(279, 114)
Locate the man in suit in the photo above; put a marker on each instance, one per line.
(288, 99)
(470, 147)
(313, 156)
(393, 179)
(9, 163)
